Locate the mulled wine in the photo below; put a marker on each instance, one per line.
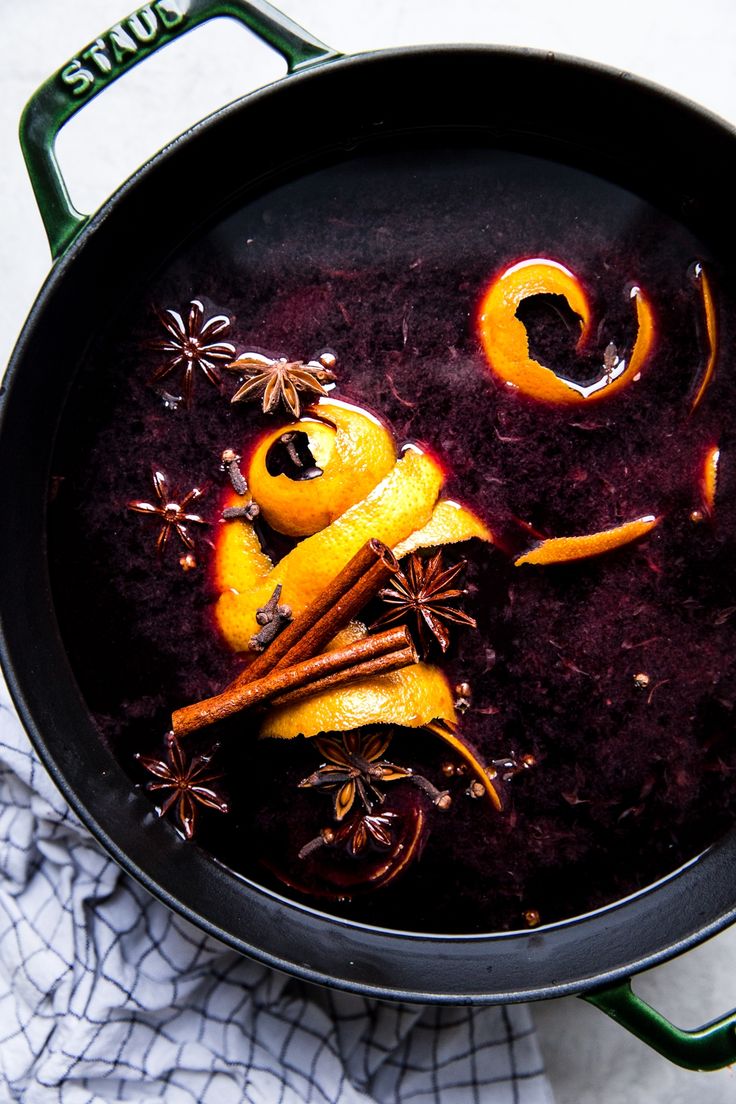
(503, 382)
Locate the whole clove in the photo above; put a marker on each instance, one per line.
(231, 460)
(274, 618)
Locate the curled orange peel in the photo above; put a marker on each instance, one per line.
(352, 448)
(411, 697)
(709, 310)
(709, 478)
(404, 854)
(506, 343)
(565, 549)
(239, 562)
(402, 502)
(450, 523)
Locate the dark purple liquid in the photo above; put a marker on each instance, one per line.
(384, 259)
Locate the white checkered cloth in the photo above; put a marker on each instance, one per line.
(106, 995)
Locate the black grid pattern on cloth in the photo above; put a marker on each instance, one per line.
(105, 995)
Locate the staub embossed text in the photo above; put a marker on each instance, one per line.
(121, 43)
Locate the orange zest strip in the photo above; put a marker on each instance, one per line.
(506, 343)
(563, 549)
(392, 868)
(709, 479)
(450, 523)
(710, 327)
(462, 749)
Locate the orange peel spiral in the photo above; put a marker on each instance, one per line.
(506, 343)
(352, 448)
(401, 503)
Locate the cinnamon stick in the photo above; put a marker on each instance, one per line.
(350, 663)
(309, 632)
(381, 665)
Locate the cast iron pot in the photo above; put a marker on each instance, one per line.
(327, 107)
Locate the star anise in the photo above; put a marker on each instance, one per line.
(421, 589)
(173, 515)
(355, 768)
(372, 828)
(189, 780)
(356, 834)
(189, 343)
(280, 380)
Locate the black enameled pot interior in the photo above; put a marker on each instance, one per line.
(623, 130)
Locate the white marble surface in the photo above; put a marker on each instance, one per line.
(685, 46)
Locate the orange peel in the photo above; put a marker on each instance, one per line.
(412, 697)
(401, 503)
(450, 523)
(459, 746)
(354, 451)
(239, 562)
(709, 310)
(506, 343)
(353, 631)
(565, 549)
(709, 478)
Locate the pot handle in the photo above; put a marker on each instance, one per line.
(710, 1047)
(110, 56)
